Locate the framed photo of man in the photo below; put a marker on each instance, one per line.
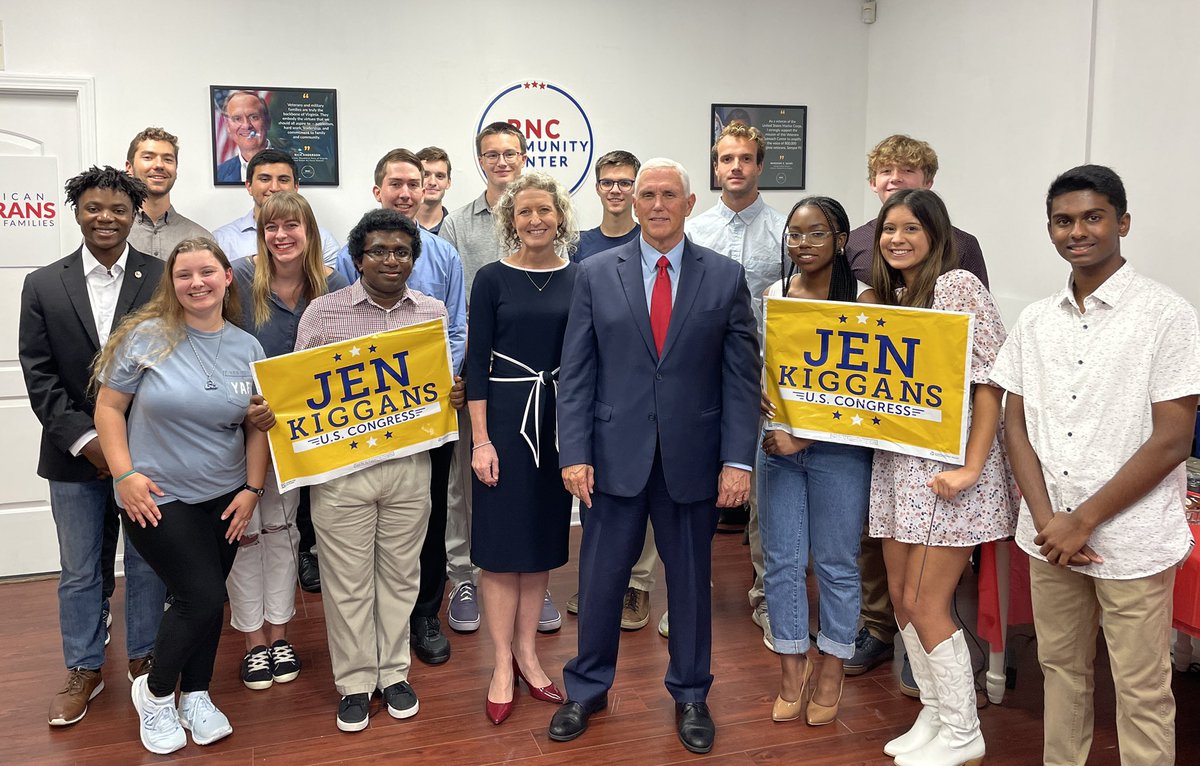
(785, 129)
(299, 121)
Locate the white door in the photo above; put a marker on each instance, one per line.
(39, 117)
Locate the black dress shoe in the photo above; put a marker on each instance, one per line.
(310, 573)
(571, 719)
(733, 520)
(428, 643)
(696, 727)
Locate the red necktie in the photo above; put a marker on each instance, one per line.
(660, 304)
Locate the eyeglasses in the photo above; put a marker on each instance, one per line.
(624, 184)
(492, 158)
(795, 238)
(380, 255)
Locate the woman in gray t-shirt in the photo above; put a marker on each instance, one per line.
(187, 470)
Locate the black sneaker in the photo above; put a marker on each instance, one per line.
(106, 623)
(353, 712)
(285, 665)
(868, 652)
(401, 700)
(256, 668)
(428, 643)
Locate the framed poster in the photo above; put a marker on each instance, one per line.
(299, 121)
(786, 130)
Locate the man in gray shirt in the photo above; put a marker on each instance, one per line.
(152, 159)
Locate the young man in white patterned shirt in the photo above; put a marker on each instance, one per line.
(1102, 380)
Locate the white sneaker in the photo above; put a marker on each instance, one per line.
(762, 618)
(158, 721)
(201, 717)
(664, 627)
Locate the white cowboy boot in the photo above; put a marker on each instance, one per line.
(959, 741)
(926, 726)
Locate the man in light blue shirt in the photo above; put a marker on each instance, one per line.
(744, 227)
(438, 273)
(269, 171)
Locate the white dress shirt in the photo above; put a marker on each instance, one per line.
(104, 287)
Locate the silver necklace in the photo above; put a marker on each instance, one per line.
(544, 284)
(209, 385)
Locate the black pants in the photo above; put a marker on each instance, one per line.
(308, 536)
(188, 550)
(433, 552)
(108, 552)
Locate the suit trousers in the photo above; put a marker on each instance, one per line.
(433, 552)
(612, 540)
(1067, 607)
(370, 528)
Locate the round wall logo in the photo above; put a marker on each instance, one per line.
(557, 131)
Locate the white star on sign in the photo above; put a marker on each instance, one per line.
(862, 318)
(371, 442)
(856, 420)
(355, 351)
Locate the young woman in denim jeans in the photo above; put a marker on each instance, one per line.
(813, 495)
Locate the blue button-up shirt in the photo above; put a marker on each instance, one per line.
(239, 239)
(650, 258)
(438, 273)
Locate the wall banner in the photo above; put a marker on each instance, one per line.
(884, 377)
(345, 406)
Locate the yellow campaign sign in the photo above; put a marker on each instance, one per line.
(344, 406)
(877, 376)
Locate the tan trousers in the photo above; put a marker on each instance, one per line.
(642, 575)
(878, 616)
(1067, 607)
(370, 526)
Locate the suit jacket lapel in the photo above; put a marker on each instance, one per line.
(629, 271)
(132, 285)
(75, 285)
(691, 268)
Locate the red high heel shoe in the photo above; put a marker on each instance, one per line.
(498, 712)
(547, 693)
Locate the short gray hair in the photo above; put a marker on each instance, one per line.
(663, 162)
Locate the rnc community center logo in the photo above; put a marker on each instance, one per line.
(557, 131)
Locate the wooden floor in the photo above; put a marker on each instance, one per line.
(294, 723)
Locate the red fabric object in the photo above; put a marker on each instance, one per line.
(990, 624)
(660, 304)
(1186, 617)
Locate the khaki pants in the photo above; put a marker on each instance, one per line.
(370, 527)
(878, 616)
(1067, 607)
(642, 574)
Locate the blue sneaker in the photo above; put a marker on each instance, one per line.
(908, 683)
(868, 653)
(463, 612)
(158, 721)
(200, 716)
(550, 619)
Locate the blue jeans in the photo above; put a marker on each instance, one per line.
(813, 500)
(79, 509)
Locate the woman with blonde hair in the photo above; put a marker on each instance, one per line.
(174, 386)
(279, 282)
(521, 516)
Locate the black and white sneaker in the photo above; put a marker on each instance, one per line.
(106, 623)
(285, 665)
(256, 668)
(353, 712)
(401, 700)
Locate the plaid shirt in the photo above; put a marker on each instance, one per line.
(350, 313)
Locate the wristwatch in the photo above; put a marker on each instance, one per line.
(256, 490)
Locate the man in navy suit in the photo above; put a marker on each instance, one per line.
(657, 417)
(68, 310)
(247, 119)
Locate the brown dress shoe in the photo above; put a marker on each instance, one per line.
(636, 612)
(71, 702)
(140, 667)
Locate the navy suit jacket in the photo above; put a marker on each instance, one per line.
(57, 342)
(230, 169)
(699, 402)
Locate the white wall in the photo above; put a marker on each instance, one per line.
(411, 75)
(1004, 93)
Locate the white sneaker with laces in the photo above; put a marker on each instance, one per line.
(158, 721)
(201, 717)
(550, 618)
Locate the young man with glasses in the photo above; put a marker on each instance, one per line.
(615, 173)
(500, 147)
(371, 524)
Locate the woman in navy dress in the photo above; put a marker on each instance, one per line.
(521, 512)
